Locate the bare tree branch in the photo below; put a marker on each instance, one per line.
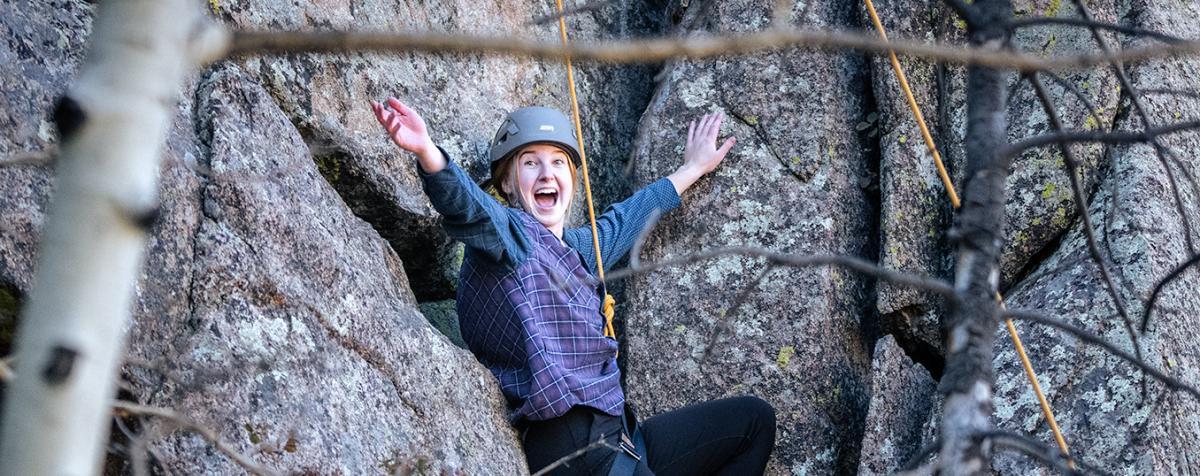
(1098, 341)
(696, 47)
(1080, 198)
(1128, 88)
(1093, 111)
(1039, 21)
(579, 452)
(587, 7)
(800, 261)
(1177, 272)
(1172, 92)
(1049, 455)
(207, 433)
(1098, 136)
(727, 315)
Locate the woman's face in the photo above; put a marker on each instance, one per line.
(544, 184)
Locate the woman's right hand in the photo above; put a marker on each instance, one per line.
(406, 128)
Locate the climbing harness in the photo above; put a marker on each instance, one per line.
(609, 301)
(937, 159)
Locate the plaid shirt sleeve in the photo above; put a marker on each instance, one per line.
(620, 225)
(472, 216)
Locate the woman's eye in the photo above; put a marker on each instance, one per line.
(528, 163)
(559, 161)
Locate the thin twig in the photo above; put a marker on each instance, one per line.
(1049, 455)
(1088, 337)
(579, 452)
(1128, 88)
(782, 259)
(587, 7)
(1177, 272)
(1038, 21)
(32, 158)
(1080, 198)
(1092, 110)
(661, 49)
(1097, 136)
(207, 433)
(723, 321)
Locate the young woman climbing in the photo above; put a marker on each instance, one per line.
(530, 309)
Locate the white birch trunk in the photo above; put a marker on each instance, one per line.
(113, 122)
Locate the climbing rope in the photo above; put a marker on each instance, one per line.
(937, 159)
(609, 301)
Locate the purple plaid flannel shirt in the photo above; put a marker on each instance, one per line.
(529, 304)
(539, 329)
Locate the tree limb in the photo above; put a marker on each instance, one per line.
(1039, 21)
(800, 261)
(1097, 136)
(1163, 283)
(205, 432)
(696, 47)
(1098, 341)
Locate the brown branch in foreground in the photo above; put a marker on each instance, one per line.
(661, 49)
(1098, 341)
(799, 261)
(205, 432)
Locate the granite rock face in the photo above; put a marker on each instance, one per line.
(794, 183)
(915, 204)
(1098, 397)
(43, 46)
(898, 423)
(267, 310)
(282, 295)
(463, 98)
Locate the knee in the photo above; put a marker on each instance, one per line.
(759, 411)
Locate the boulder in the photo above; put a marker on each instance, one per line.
(463, 98)
(303, 345)
(1097, 397)
(266, 310)
(898, 422)
(794, 183)
(916, 210)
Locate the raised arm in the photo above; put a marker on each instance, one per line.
(469, 214)
(621, 224)
(407, 130)
(701, 154)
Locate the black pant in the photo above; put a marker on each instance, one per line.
(732, 436)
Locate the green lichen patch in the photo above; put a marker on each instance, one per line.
(785, 355)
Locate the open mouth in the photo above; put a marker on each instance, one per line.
(545, 198)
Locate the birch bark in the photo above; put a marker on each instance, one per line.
(974, 314)
(112, 124)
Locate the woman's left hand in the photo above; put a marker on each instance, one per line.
(700, 153)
